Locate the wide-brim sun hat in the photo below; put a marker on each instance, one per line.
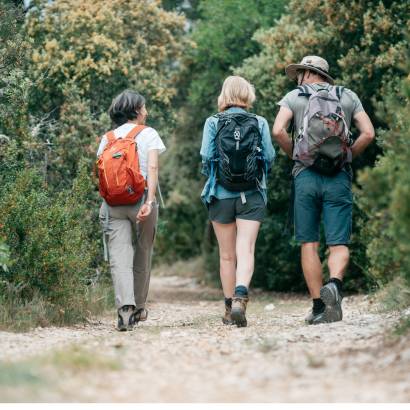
(312, 63)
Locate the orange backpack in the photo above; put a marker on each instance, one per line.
(120, 179)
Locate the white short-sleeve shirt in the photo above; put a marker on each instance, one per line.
(147, 140)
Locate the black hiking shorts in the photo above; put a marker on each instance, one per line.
(226, 211)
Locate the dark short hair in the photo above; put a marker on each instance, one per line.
(125, 106)
(311, 71)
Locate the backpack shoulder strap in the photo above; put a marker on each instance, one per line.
(219, 116)
(304, 91)
(135, 131)
(339, 91)
(252, 115)
(110, 137)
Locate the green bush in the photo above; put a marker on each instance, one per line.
(4, 255)
(385, 191)
(48, 234)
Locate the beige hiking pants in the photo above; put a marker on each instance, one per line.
(130, 251)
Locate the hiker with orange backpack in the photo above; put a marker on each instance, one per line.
(128, 178)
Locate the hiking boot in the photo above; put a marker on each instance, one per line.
(227, 318)
(332, 312)
(140, 315)
(333, 300)
(126, 318)
(238, 310)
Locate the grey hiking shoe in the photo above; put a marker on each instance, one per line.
(333, 306)
(239, 310)
(333, 300)
(126, 318)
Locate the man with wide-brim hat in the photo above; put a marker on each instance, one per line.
(317, 192)
(314, 64)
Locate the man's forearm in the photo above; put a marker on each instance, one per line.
(364, 140)
(284, 141)
(366, 129)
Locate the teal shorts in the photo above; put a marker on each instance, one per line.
(320, 197)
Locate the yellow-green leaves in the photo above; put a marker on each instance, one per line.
(101, 47)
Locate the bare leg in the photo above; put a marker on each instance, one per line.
(338, 261)
(245, 250)
(226, 236)
(312, 268)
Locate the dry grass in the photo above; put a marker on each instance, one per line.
(17, 314)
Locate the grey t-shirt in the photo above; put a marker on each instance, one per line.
(297, 104)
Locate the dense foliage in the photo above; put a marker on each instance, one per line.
(52, 253)
(84, 53)
(385, 189)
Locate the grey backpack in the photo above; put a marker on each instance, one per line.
(323, 141)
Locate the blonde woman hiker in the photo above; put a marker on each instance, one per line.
(237, 154)
(128, 178)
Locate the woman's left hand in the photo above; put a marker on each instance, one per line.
(144, 212)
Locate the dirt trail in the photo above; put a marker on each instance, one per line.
(184, 353)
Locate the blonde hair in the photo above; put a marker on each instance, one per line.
(236, 91)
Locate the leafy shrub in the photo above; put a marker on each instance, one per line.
(48, 233)
(385, 191)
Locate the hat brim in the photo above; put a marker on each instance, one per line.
(292, 69)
